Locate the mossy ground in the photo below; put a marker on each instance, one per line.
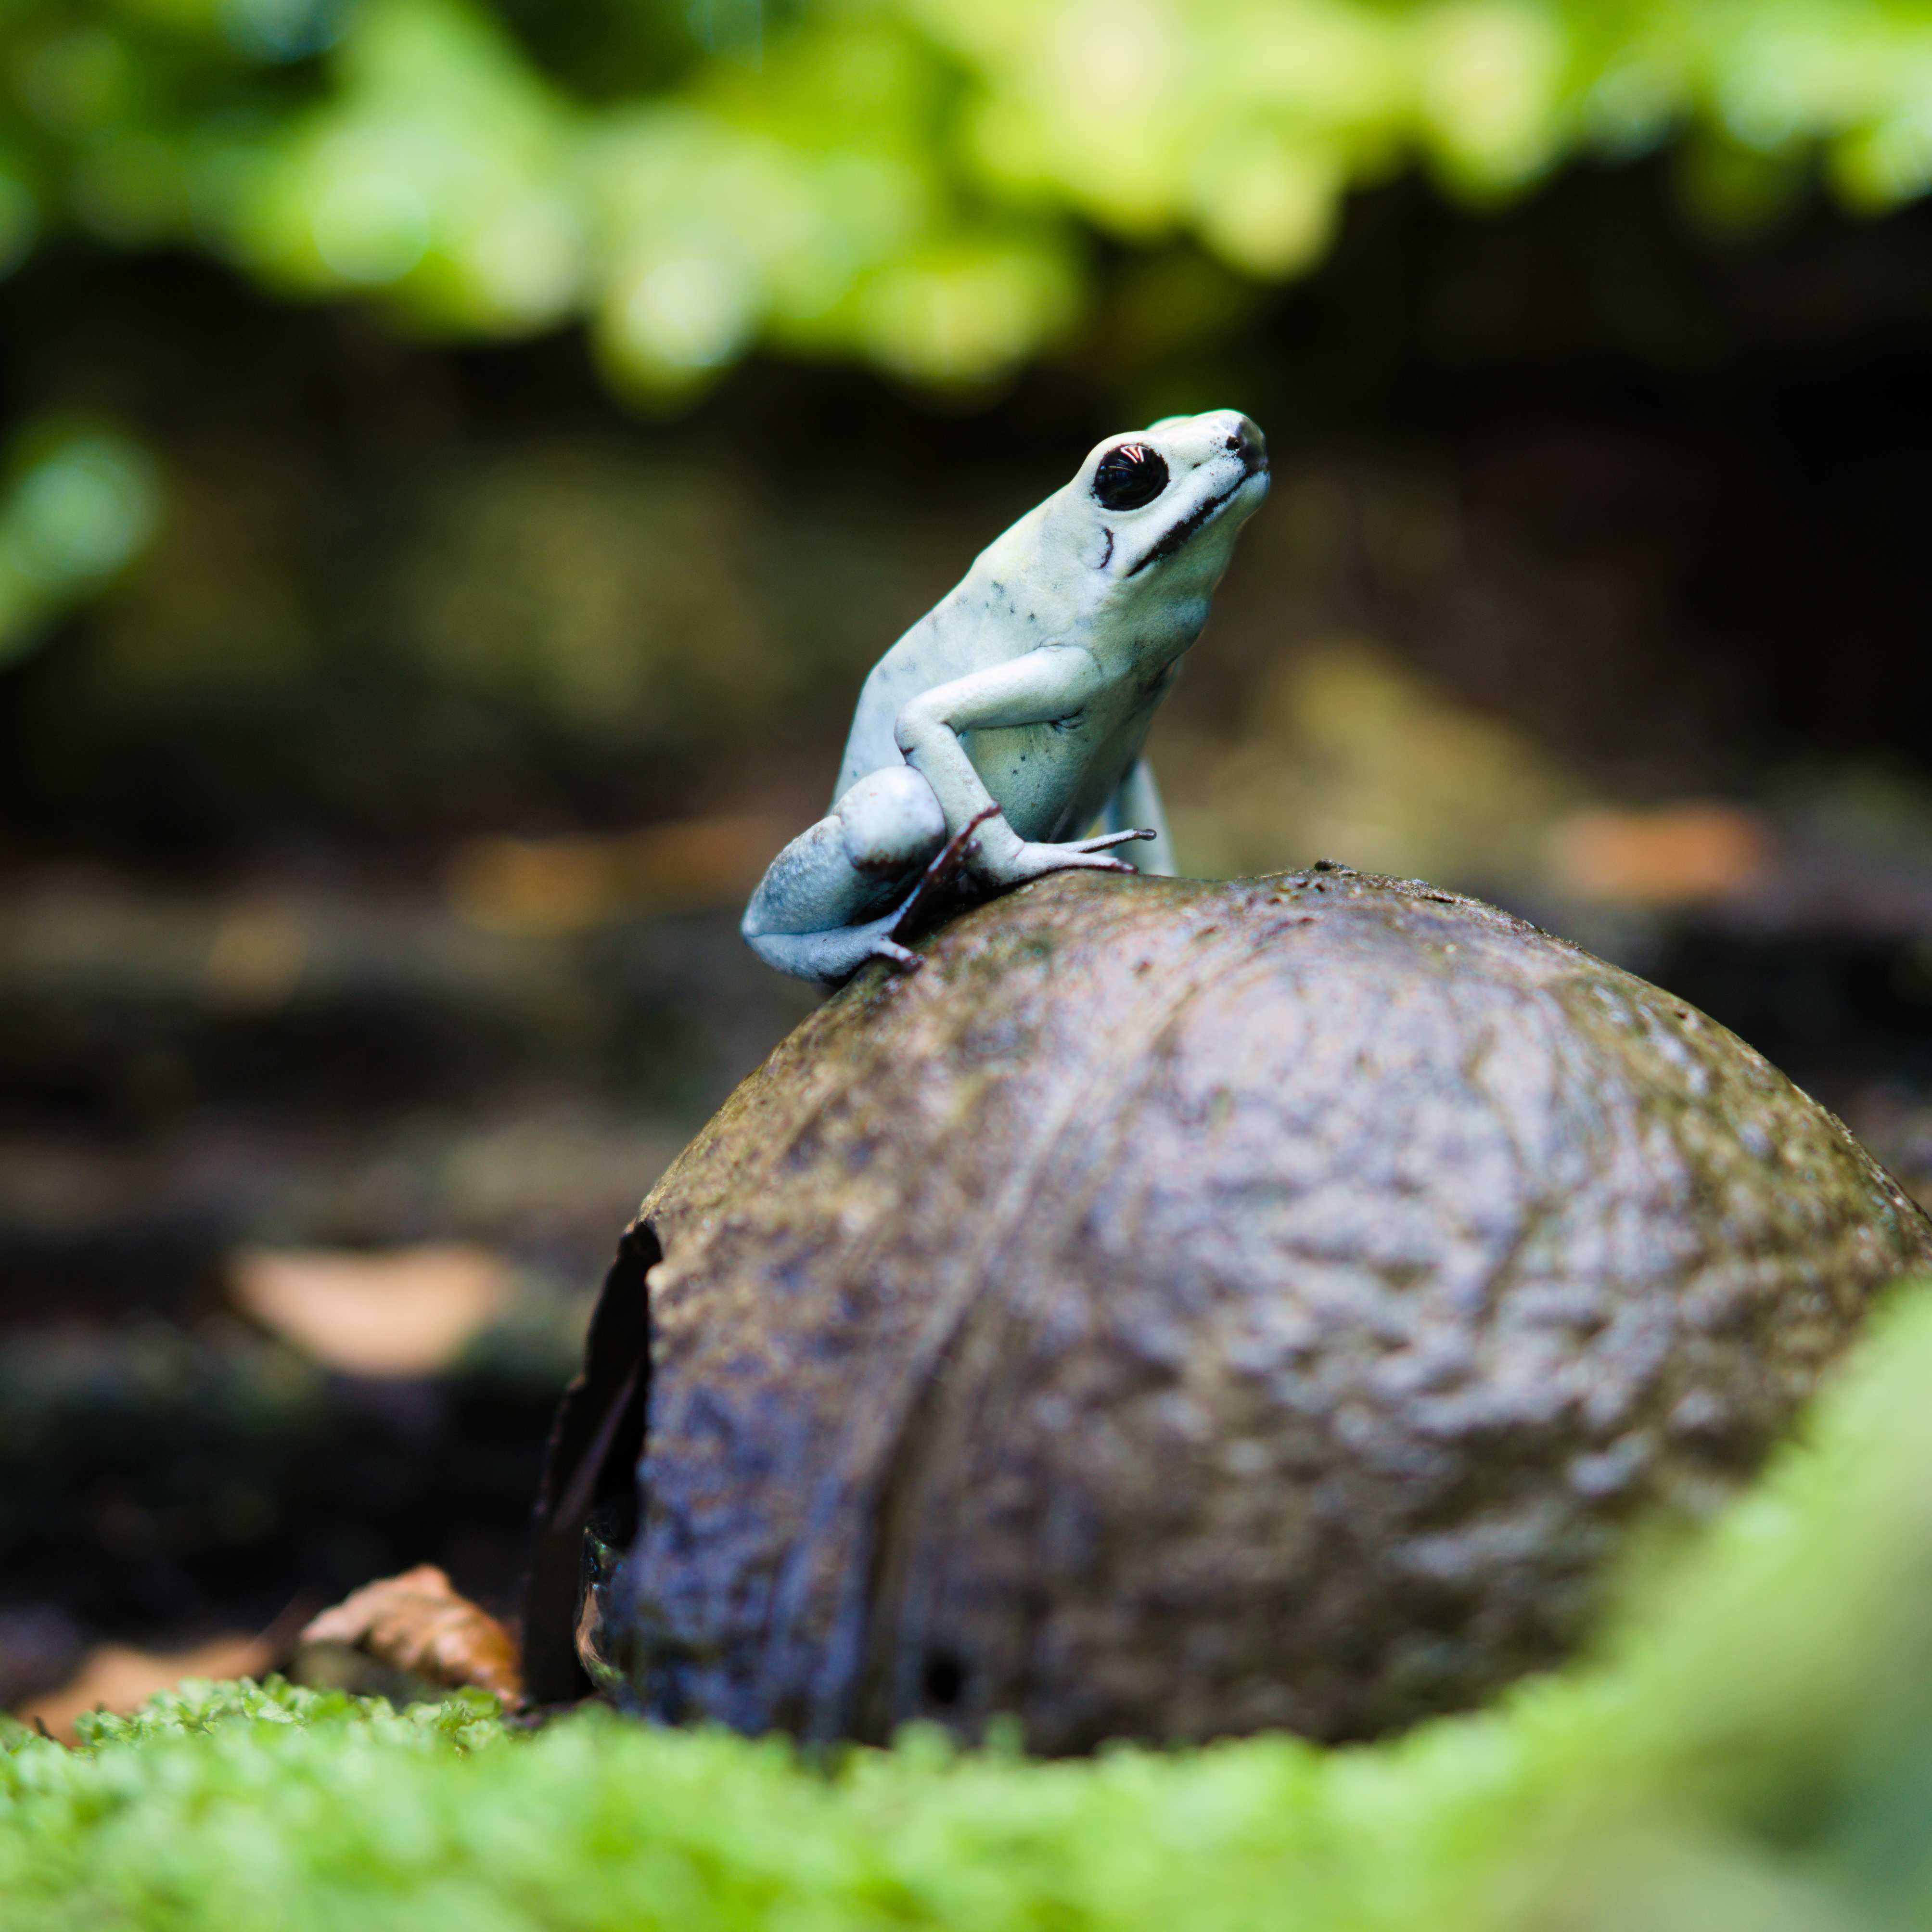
(1753, 1747)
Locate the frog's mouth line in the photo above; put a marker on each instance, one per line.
(1201, 513)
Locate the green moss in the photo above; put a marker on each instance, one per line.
(1754, 1747)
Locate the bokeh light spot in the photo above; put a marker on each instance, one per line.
(692, 312)
(370, 227)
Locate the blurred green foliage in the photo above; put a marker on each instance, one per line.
(914, 183)
(79, 504)
(939, 190)
(1754, 1749)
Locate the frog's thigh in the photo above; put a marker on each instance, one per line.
(806, 885)
(891, 822)
(854, 863)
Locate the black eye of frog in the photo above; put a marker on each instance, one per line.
(1129, 477)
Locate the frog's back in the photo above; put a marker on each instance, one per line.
(983, 620)
(913, 665)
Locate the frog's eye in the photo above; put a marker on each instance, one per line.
(1128, 477)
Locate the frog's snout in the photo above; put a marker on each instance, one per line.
(1246, 440)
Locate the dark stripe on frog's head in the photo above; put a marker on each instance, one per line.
(1175, 538)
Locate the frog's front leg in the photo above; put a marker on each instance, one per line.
(831, 899)
(1046, 686)
(1137, 801)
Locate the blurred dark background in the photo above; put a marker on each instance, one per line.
(460, 462)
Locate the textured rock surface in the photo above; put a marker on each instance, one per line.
(1184, 1309)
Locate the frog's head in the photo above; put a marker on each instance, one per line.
(1162, 507)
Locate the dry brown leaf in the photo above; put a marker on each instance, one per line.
(114, 1678)
(405, 1312)
(1700, 849)
(417, 1622)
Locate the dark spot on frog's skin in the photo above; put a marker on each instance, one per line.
(1107, 555)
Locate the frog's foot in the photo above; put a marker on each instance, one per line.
(833, 956)
(1003, 862)
(881, 942)
(946, 864)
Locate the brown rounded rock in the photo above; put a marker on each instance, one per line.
(1183, 1309)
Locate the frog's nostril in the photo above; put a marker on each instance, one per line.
(1248, 442)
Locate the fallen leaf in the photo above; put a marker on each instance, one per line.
(417, 1622)
(113, 1678)
(404, 1312)
(1700, 849)
(257, 956)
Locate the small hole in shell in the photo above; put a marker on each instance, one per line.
(945, 1679)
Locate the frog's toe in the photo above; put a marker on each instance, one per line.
(1101, 842)
(901, 956)
(1036, 861)
(1089, 862)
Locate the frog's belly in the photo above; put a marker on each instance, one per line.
(1050, 785)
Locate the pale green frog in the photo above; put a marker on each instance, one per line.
(1010, 718)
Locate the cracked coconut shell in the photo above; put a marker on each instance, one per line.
(1181, 1309)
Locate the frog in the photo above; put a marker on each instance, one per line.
(1010, 719)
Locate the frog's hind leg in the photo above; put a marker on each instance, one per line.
(831, 900)
(939, 875)
(834, 956)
